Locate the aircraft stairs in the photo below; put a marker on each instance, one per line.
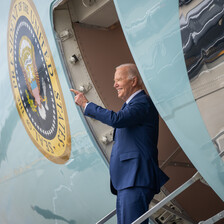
(161, 213)
(165, 210)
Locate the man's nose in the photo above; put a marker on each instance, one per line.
(115, 84)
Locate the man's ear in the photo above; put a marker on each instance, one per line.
(135, 81)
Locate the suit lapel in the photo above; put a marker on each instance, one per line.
(124, 105)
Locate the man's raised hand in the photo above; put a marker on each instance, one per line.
(80, 99)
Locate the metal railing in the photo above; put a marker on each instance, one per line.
(160, 204)
(214, 218)
(171, 196)
(107, 217)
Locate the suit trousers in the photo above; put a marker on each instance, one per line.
(132, 203)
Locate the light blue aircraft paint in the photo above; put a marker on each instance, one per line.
(72, 185)
(34, 189)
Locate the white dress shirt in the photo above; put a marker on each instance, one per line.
(133, 95)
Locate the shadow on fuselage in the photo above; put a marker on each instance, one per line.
(47, 214)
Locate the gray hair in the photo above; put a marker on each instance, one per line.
(132, 71)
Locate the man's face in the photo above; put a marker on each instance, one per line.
(123, 84)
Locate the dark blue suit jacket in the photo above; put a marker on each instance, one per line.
(134, 157)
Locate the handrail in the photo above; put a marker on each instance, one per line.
(214, 218)
(107, 217)
(171, 196)
(160, 204)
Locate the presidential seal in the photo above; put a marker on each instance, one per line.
(35, 83)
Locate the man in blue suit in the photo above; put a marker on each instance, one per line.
(134, 171)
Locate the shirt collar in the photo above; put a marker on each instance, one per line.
(133, 95)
